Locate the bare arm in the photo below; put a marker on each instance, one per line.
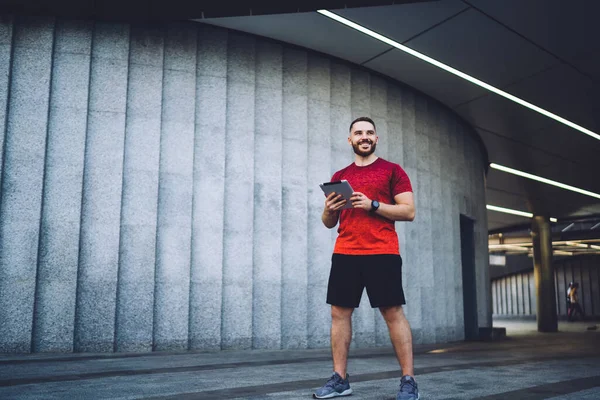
(403, 210)
(331, 213)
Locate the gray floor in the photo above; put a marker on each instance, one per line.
(528, 365)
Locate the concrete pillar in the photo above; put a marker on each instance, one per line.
(544, 274)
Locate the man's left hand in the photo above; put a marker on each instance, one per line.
(359, 200)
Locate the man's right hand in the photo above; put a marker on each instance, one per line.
(334, 203)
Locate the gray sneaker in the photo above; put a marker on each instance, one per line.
(408, 389)
(335, 386)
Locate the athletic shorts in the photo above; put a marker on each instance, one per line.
(381, 274)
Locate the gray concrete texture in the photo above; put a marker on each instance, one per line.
(159, 190)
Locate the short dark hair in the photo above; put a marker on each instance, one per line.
(366, 119)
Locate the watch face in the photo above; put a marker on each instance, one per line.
(375, 205)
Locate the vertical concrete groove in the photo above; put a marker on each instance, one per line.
(307, 200)
(194, 177)
(37, 283)
(191, 266)
(254, 268)
(253, 289)
(119, 269)
(7, 108)
(281, 215)
(160, 157)
(227, 62)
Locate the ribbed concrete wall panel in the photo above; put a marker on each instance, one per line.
(175, 204)
(61, 214)
(209, 185)
(174, 227)
(102, 187)
(236, 330)
(22, 178)
(319, 165)
(294, 200)
(267, 234)
(137, 246)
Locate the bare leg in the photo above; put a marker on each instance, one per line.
(401, 337)
(341, 335)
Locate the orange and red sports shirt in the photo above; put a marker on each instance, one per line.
(361, 232)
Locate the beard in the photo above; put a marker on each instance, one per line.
(363, 153)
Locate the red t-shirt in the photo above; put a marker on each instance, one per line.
(363, 232)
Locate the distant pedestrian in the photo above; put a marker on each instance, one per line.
(569, 297)
(575, 307)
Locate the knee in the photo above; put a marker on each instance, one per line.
(392, 314)
(341, 313)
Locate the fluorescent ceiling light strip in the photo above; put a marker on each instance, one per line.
(577, 244)
(562, 253)
(456, 72)
(509, 211)
(514, 212)
(507, 247)
(543, 180)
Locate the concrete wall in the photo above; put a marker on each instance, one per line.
(159, 190)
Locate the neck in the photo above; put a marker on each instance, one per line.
(364, 161)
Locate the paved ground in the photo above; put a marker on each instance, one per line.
(528, 365)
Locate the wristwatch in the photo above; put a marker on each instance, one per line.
(374, 205)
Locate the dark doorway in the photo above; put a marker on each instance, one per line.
(467, 251)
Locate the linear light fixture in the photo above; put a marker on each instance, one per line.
(577, 244)
(514, 212)
(562, 253)
(509, 211)
(456, 72)
(543, 180)
(507, 247)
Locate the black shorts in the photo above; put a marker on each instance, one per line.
(381, 274)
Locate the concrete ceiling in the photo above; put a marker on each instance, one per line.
(544, 51)
(169, 10)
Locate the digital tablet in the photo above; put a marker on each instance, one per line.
(339, 187)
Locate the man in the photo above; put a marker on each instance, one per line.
(569, 298)
(366, 254)
(575, 307)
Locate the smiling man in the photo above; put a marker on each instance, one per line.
(366, 255)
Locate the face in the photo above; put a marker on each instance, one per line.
(363, 138)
